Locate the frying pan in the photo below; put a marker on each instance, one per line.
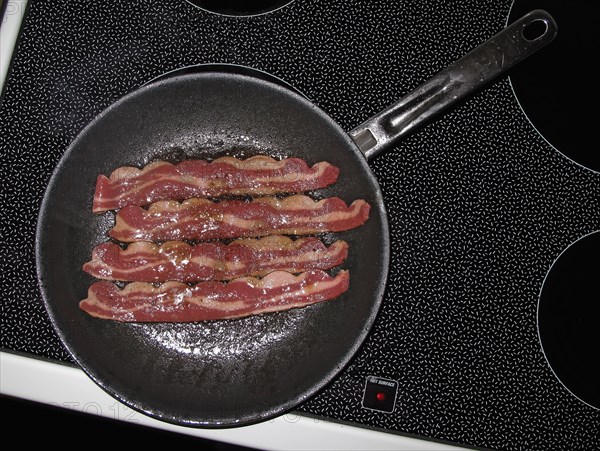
(236, 372)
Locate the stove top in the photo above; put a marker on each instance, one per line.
(480, 341)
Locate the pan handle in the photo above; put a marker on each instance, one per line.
(513, 44)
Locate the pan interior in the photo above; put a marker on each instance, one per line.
(221, 373)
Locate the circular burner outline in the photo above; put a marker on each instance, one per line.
(285, 5)
(510, 81)
(543, 137)
(538, 317)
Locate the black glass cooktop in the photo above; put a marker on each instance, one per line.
(484, 203)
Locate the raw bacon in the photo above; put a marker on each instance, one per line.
(178, 261)
(202, 219)
(258, 176)
(179, 302)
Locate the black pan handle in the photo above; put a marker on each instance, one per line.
(513, 44)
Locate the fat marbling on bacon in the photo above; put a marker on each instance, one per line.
(179, 261)
(258, 176)
(203, 219)
(212, 300)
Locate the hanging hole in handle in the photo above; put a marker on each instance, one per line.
(535, 30)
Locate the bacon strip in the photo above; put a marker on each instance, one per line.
(178, 302)
(259, 175)
(202, 219)
(178, 261)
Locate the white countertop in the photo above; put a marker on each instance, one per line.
(68, 387)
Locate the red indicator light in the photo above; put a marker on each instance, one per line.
(380, 396)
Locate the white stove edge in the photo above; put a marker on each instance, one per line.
(70, 388)
(9, 31)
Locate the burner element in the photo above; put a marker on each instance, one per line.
(239, 7)
(569, 318)
(556, 87)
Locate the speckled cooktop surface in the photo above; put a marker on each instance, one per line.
(480, 204)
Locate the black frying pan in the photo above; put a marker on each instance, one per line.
(234, 372)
